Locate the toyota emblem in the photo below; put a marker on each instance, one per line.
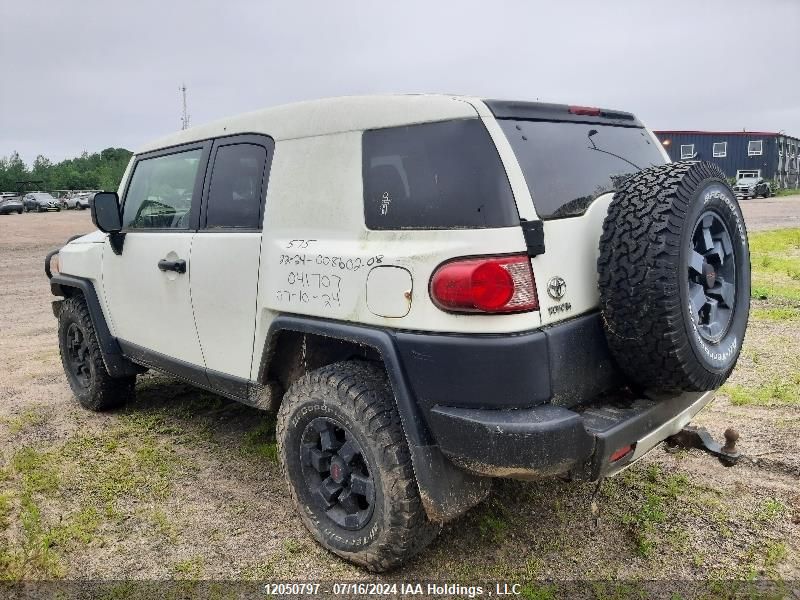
(556, 288)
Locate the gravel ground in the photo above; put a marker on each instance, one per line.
(771, 213)
(184, 484)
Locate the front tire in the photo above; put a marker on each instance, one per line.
(82, 360)
(348, 467)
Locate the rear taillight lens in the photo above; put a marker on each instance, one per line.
(492, 284)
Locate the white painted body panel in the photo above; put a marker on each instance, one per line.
(224, 286)
(147, 306)
(85, 259)
(573, 246)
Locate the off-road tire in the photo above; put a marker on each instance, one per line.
(102, 392)
(644, 279)
(357, 395)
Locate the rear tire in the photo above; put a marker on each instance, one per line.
(340, 423)
(82, 360)
(674, 275)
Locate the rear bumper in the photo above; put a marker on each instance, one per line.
(520, 405)
(551, 440)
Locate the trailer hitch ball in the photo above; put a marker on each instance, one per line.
(731, 437)
(700, 438)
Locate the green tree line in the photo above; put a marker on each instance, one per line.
(98, 171)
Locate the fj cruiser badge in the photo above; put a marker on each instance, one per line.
(556, 288)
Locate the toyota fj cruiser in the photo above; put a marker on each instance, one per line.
(430, 291)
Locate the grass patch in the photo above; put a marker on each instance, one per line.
(648, 503)
(119, 465)
(191, 568)
(37, 470)
(781, 391)
(775, 261)
(775, 313)
(5, 510)
(779, 192)
(539, 592)
(260, 441)
(775, 241)
(28, 419)
(159, 519)
(103, 475)
(770, 510)
(493, 521)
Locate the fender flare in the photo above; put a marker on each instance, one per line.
(446, 491)
(116, 363)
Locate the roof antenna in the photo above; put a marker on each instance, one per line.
(185, 115)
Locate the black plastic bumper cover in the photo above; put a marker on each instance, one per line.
(550, 440)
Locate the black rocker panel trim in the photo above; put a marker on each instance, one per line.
(229, 386)
(233, 387)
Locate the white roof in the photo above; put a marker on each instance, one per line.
(329, 115)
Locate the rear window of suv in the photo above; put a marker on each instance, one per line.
(567, 165)
(444, 175)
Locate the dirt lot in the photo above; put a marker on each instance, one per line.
(184, 484)
(772, 213)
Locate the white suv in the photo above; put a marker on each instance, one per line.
(431, 291)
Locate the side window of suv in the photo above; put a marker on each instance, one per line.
(236, 188)
(445, 175)
(160, 193)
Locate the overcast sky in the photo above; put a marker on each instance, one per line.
(89, 74)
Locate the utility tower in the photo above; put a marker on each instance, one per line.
(185, 115)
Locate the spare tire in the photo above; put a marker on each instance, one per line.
(674, 276)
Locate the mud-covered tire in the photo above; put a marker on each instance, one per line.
(656, 223)
(357, 398)
(94, 388)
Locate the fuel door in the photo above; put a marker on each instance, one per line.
(389, 291)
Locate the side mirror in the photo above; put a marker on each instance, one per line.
(105, 212)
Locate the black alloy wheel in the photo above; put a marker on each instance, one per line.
(336, 473)
(78, 355)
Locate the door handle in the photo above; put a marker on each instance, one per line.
(179, 266)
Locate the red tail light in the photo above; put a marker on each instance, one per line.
(585, 110)
(493, 284)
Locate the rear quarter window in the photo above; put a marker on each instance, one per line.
(444, 175)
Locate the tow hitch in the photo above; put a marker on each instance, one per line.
(698, 437)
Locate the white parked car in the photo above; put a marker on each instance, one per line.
(431, 291)
(79, 201)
